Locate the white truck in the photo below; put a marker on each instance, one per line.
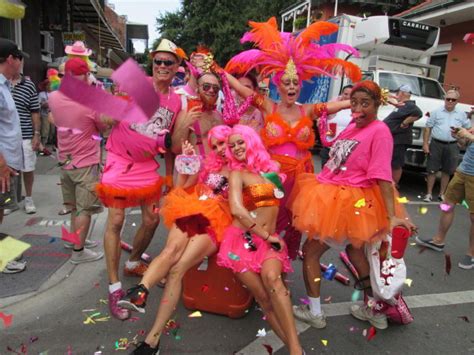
(393, 51)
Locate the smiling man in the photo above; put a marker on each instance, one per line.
(130, 177)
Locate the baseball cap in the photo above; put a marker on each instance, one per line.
(405, 88)
(8, 47)
(76, 66)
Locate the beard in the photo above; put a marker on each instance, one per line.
(208, 103)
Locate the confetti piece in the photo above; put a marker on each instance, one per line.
(353, 329)
(423, 210)
(447, 263)
(304, 300)
(103, 301)
(196, 314)
(412, 244)
(261, 333)
(325, 342)
(89, 310)
(233, 256)
(317, 279)
(464, 203)
(465, 318)
(269, 348)
(226, 289)
(408, 282)
(444, 207)
(364, 332)
(7, 319)
(402, 200)
(355, 296)
(360, 203)
(328, 299)
(371, 333)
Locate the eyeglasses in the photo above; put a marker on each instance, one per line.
(451, 100)
(166, 63)
(250, 242)
(215, 88)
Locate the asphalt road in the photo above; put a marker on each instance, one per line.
(52, 321)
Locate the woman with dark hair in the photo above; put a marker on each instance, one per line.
(350, 203)
(251, 248)
(253, 117)
(288, 127)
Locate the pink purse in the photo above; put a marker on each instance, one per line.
(188, 164)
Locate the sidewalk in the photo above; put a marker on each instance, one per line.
(46, 224)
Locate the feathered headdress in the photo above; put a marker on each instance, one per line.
(282, 53)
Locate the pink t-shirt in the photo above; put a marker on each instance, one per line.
(78, 132)
(360, 156)
(138, 141)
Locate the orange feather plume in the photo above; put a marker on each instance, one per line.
(265, 34)
(316, 30)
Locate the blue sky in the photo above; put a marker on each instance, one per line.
(144, 11)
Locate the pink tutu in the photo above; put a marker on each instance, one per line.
(235, 256)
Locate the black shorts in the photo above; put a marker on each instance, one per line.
(398, 156)
(443, 156)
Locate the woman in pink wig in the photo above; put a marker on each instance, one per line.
(251, 248)
(196, 215)
(288, 127)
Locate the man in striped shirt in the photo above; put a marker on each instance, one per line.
(27, 104)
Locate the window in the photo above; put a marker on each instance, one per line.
(421, 86)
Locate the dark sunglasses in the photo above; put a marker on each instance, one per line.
(451, 100)
(206, 87)
(167, 63)
(249, 240)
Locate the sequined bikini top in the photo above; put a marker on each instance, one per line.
(218, 183)
(259, 195)
(277, 131)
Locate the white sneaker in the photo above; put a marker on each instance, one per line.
(428, 198)
(30, 207)
(378, 320)
(89, 244)
(303, 313)
(85, 256)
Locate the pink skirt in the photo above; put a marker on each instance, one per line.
(234, 255)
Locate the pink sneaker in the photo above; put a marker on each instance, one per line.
(117, 311)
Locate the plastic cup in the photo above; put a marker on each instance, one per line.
(400, 237)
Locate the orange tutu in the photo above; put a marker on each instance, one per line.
(338, 212)
(180, 204)
(122, 197)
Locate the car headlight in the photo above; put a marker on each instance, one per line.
(416, 133)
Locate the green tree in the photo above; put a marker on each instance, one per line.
(219, 24)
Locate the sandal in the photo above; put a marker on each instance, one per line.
(14, 267)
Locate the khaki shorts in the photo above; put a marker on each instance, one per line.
(29, 156)
(461, 187)
(78, 187)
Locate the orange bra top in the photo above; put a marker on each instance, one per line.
(277, 131)
(259, 195)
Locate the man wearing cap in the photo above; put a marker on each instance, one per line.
(11, 158)
(443, 150)
(79, 158)
(400, 121)
(130, 177)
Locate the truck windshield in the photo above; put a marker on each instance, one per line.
(421, 86)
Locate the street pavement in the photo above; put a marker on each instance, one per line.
(53, 320)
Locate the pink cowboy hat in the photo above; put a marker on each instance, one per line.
(78, 48)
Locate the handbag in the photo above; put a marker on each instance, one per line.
(188, 164)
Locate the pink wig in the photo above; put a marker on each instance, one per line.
(275, 49)
(214, 162)
(258, 160)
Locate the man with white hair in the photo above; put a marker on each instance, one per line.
(400, 121)
(443, 150)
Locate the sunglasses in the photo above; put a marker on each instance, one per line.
(207, 87)
(250, 242)
(166, 63)
(451, 100)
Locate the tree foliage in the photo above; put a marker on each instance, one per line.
(219, 24)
